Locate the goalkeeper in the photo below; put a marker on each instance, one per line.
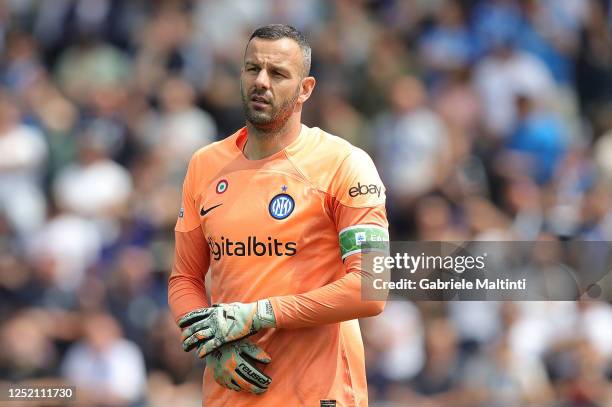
(276, 215)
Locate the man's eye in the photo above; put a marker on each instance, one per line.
(252, 69)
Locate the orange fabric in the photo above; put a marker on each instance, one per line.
(186, 290)
(229, 203)
(336, 302)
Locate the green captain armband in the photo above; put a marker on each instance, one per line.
(363, 238)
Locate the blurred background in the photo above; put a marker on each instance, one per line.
(487, 120)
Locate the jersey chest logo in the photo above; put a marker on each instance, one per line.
(281, 206)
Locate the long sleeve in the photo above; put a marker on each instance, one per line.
(186, 289)
(335, 302)
(357, 207)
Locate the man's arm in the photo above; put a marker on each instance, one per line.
(186, 290)
(335, 302)
(338, 301)
(356, 203)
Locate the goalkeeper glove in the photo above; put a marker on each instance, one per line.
(234, 367)
(209, 328)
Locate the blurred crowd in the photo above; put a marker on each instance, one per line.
(488, 119)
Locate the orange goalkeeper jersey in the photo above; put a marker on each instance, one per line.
(287, 227)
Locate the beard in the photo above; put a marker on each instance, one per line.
(273, 119)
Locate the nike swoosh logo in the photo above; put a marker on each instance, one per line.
(205, 211)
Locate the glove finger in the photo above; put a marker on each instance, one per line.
(198, 337)
(193, 316)
(209, 346)
(227, 381)
(247, 386)
(250, 378)
(192, 329)
(255, 352)
(231, 384)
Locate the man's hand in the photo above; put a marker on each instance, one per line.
(209, 328)
(234, 367)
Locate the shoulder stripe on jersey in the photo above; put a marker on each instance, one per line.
(373, 237)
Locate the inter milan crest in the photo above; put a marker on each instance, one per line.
(281, 206)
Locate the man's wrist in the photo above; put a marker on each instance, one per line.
(265, 314)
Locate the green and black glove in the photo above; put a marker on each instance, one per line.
(234, 367)
(212, 327)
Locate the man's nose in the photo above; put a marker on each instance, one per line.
(262, 81)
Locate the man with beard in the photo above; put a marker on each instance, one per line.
(277, 214)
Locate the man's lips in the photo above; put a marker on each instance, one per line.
(258, 98)
(259, 101)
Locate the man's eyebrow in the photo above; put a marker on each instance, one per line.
(280, 68)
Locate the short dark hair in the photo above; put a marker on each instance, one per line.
(278, 31)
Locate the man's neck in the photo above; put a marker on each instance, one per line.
(261, 143)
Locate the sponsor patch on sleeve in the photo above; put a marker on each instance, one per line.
(362, 238)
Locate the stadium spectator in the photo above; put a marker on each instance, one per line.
(107, 369)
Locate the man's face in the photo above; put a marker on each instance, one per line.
(271, 81)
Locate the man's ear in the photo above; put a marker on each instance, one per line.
(307, 86)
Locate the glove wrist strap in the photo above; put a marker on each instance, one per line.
(265, 314)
